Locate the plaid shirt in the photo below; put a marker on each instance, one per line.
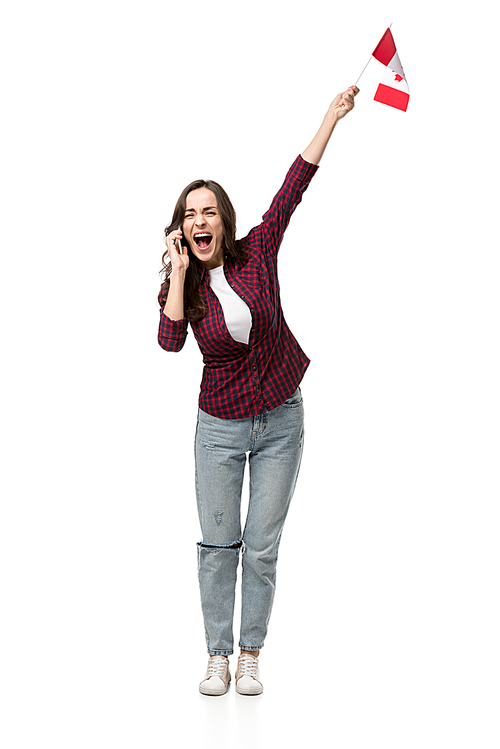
(241, 380)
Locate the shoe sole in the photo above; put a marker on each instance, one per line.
(250, 692)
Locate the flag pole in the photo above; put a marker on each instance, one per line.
(363, 70)
(366, 65)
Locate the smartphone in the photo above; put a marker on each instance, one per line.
(180, 246)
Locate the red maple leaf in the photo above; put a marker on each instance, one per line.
(398, 77)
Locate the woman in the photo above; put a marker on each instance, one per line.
(250, 401)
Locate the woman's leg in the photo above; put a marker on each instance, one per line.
(276, 452)
(220, 454)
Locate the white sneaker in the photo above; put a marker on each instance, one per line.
(247, 675)
(218, 677)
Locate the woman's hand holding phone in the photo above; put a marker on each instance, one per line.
(178, 254)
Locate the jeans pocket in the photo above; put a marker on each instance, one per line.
(294, 401)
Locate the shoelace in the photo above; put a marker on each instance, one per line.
(247, 666)
(216, 667)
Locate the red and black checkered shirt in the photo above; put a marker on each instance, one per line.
(241, 380)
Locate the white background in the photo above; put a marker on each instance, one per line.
(386, 621)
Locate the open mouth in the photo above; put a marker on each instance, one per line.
(203, 240)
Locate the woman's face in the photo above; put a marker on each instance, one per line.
(202, 227)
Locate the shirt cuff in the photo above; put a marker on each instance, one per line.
(305, 168)
(172, 333)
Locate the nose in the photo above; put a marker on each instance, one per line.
(200, 219)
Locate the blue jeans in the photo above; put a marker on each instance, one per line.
(273, 441)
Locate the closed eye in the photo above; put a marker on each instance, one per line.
(206, 211)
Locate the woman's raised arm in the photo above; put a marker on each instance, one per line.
(174, 307)
(340, 106)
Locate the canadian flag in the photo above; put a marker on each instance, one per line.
(393, 90)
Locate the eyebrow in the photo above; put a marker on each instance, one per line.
(207, 208)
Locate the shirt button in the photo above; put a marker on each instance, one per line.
(254, 368)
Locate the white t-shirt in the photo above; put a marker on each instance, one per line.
(236, 312)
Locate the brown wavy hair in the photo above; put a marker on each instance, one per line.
(194, 306)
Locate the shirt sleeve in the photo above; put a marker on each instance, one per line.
(277, 218)
(171, 333)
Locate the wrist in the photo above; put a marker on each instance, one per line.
(331, 118)
(178, 275)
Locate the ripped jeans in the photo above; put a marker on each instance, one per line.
(273, 442)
